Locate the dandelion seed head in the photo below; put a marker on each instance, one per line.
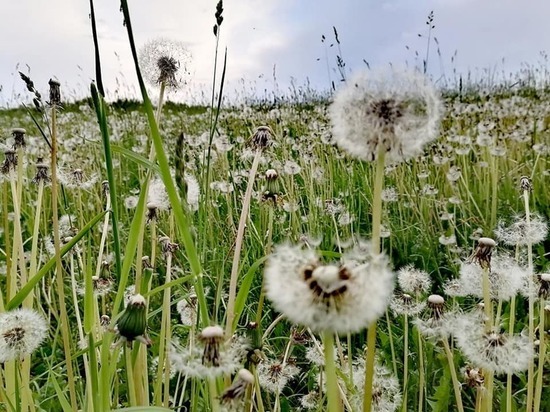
(396, 110)
(274, 376)
(522, 233)
(21, 332)
(413, 281)
(492, 351)
(164, 61)
(341, 297)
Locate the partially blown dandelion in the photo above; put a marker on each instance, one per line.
(164, 61)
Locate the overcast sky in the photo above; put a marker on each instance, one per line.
(53, 39)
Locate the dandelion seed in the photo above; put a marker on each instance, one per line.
(447, 240)
(473, 377)
(389, 194)
(164, 61)
(341, 298)
(396, 110)
(21, 332)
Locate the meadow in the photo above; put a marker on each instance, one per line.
(384, 248)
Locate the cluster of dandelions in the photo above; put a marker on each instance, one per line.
(395, 111)
(164, 61)
(21, 333)
(340, 298)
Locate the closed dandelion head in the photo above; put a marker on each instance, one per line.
(21, 332)
(525, 184)
(10, 161)
(212, 338)
(18, 137)
(544, 286)
(42, 173)
(164, 61)
(342, 297)
(262, 138)
(395, 111)
(132, 323)
(55, 92)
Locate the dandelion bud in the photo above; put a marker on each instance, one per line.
(19, 137)
(133, 321)
(10, 161)
(55, 92)
(237, 390)
(525, 184)
(262, 138)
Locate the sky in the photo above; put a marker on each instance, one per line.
(271, 44)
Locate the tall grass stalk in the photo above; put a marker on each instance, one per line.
(238, 244)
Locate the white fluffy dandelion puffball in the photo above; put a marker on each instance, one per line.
(391, 110)
(340, 298)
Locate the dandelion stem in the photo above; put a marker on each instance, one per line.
(531, 367)
(334, 404)
(376, 222)
(456, 383)
(59, 266)
(405, 362)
